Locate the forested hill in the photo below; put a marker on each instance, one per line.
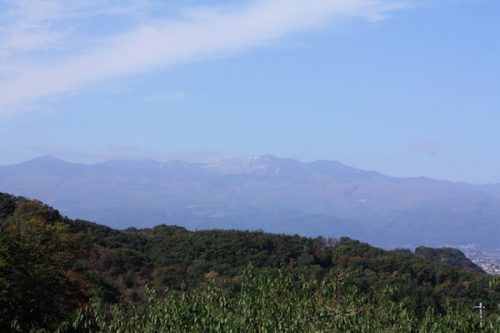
(51, 266)
(448, 256)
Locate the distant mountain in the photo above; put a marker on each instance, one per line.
(266, 192)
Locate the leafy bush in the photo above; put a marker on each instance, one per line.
(277, 302)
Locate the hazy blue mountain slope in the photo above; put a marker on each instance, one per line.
(265, 192)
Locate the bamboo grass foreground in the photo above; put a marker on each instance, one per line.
(279, 302)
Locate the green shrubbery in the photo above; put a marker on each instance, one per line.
(277, 302)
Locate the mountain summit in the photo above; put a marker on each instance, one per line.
(251, 164)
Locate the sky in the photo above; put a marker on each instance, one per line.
(403, 87)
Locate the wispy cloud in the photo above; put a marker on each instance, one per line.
(424, 146)
(117, 151)
(109, 152)
(46, 50)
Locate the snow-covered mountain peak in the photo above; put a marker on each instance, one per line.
(248, 164)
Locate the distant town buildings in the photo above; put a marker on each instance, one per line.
(488, 260)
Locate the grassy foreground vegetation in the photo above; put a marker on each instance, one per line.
(278, 303)
(61, 275)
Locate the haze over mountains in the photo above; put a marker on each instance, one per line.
(265, 192)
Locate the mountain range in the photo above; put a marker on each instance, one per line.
(269, 193)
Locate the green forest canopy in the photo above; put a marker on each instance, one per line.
(51, 267)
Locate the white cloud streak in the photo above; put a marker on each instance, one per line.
(424, 146)
(27, 74)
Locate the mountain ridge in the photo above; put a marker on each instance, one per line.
(265, 192)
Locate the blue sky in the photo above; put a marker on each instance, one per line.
(407, 88)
